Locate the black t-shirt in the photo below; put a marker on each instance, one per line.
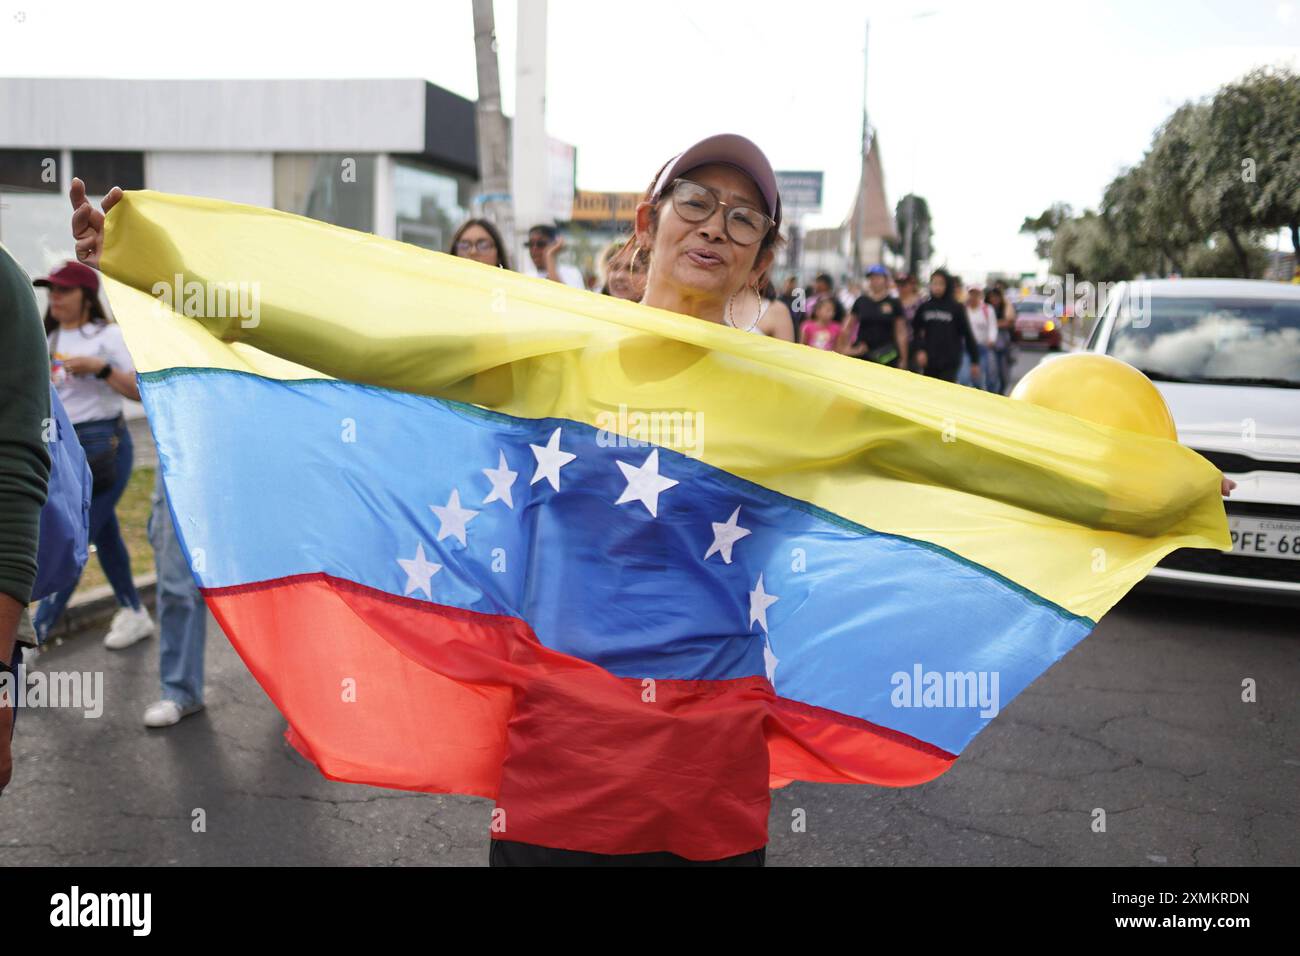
(876, 320)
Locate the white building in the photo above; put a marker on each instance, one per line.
(398, 158)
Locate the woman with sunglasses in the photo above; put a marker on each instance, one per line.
(479, 240)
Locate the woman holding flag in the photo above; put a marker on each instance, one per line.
(598, 766)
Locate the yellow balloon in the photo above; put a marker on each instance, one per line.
(1099, 388)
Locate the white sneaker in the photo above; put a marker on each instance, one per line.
(128, 627)
(167, 712)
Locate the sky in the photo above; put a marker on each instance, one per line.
(990, 110)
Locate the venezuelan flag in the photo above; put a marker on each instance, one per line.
(413, 492)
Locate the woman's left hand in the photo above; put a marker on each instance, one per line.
(1226, 488)
(84, 364)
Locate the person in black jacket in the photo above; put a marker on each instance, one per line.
(939, 329)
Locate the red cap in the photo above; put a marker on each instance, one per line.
(72, 275)
(730, 150)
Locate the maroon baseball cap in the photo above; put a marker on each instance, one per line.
(72, 275)
(728, 149)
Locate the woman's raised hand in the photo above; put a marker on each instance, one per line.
(88, 222)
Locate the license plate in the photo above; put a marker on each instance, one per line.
(1265, 537)
(1029, 335)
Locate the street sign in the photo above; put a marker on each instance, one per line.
(801, 192)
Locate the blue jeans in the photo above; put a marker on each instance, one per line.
(1003, 357)
(989, 381)
(182, 615)
(104, 532)
(992, 380)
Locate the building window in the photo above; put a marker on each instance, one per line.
(101, 170)
(331, 187)
(33, 211)
(29, 170)
(429, 205)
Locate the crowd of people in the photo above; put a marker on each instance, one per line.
(955, 333)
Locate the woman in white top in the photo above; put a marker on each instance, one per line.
(984, 323)
(92, 372)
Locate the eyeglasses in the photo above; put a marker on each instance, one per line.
(537, 243)
(695, 203)
(478, 245)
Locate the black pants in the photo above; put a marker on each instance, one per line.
(945, 372)
(513, 853)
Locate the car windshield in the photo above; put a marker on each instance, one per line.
(1211, 339)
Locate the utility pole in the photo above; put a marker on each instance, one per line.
(493, 143)
(860, 207)
(529, 178)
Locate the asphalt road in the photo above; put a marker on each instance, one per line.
(1143, 720)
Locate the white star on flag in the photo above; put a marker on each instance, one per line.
(645, 483)
(550, 460)
(725, 535)
(453, 517)
(770, 661)
(502, 479)
(419, 571)
(759, 602)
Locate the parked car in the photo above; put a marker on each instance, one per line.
(1038, 322)
(1225, 353)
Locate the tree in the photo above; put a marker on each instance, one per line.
(1043, 227)
(1220, 197)
(912, 215)
(1218, 174)
(1086, 248)
(1132, 218)
(1268, 105)
(1218, 258)
(1168, 175)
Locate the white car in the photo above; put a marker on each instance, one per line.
(1225, 353)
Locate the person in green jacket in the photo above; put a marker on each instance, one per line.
(24, 470)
